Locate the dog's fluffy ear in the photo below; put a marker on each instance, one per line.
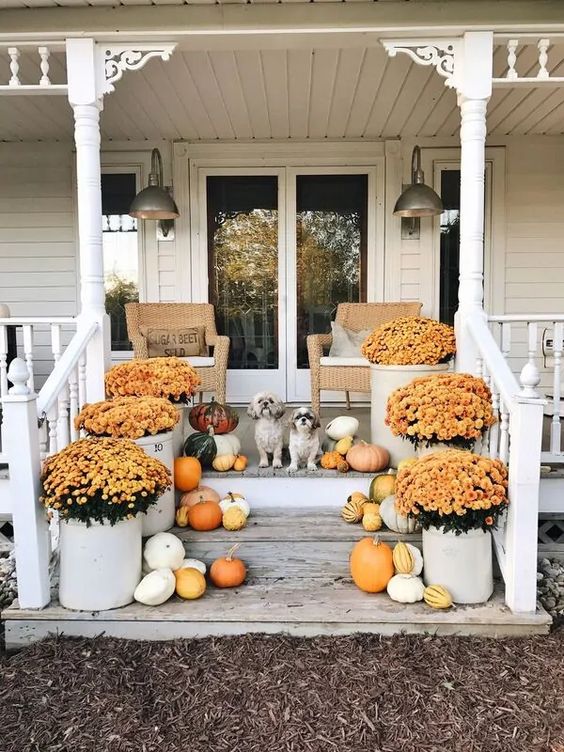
(251, 410)
(294, 416)
(316, 422)
(279, 409)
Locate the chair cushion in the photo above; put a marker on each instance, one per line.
(182, 342)
(346, 342)
(328, 360)
(200, 361)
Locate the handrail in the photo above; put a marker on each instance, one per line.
(19, 320)
(59, 376)
(493, 358)
(517, 318)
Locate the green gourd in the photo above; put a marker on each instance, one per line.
(202, 446)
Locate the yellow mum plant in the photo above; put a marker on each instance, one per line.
(127, 417)
(106, 480)
(453, 408)
(410, 341)
(171, 378)
(454, 490)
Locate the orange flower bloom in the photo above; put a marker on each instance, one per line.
(489, 520)
(127, 417)
(410, 340)
(171, 378)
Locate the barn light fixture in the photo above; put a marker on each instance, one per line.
(418, 199)
(154, 201)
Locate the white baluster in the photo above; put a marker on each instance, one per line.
(52, 418)
(73, 403)
(494, 430)
(44, 65)
(43, 440)
(555, 432)
(506, 339)
(543, 46)
(28, 353)
(512, 59)
(63, 433)
(14, 54)
(504, 432)
(82, 380)
(3, 360)
(532, 341)
(479, 366)
(56, 347)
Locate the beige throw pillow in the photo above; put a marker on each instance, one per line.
(181, 343)
(345, 342)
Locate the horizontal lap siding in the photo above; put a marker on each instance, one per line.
(38, 266)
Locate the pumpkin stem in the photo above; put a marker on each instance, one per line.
(231, 551)
(376, 540)
(210, 430)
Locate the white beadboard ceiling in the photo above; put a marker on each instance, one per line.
(100, 3)
(316, 93)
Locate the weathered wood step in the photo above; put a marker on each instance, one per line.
(291, 543)
(300, 606)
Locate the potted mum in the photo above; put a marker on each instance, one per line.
(149, 422)
(100, 488)
(169, 378)
(399, 351)
(441, 411)
(458, 498)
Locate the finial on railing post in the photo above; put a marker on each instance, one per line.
(18, 375)
(529, 380)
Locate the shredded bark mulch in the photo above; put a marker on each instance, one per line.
(261, 693)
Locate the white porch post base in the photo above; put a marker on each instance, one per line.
(86, 102)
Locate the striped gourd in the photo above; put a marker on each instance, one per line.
(437, 596)
(352, 511)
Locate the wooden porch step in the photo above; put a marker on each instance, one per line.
(299, 606)
(307, 542)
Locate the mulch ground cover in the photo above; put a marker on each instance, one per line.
(285, 694)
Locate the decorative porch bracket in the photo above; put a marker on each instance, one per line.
(119, 58)
(438, 53)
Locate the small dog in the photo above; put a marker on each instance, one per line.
(268, 410)
(304, 439)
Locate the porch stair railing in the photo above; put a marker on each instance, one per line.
(516, 439)
(34, 426)
(538, 339)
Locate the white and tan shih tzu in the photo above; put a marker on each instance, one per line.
(267, 409)
(304, 439)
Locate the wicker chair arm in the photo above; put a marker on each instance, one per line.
(220, 345)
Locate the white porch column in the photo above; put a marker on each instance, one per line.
(473, 75)
(86, 102)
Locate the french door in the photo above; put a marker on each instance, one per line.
(283, 246)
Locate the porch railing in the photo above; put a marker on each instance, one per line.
(537, 339)
(515, 439)
(33, 426)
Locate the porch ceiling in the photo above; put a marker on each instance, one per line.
(302, 92)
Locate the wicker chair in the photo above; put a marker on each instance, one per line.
(174, 315)
(353, 377)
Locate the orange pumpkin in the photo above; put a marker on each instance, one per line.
(368, 458)
(372, 565)
(202, 493)
(228, 572)
(187, 473)
(206, 515)
(240, 463)
(190, 583)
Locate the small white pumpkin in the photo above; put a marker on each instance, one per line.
(227, 443)
(393, 520)
(344, 425)
(235, 500)
(156, 587)
(163, 550)
(406, 588)
(193, 564)
(417, 559)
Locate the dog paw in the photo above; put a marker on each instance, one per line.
(277, 464)
(293, 469)
(312, 467)
(263, 464)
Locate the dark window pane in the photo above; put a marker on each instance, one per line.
(331, 250)
(121, 275)
(450, 241)
(242, 216)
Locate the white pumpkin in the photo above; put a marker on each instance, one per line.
(163, 550)
(344, 425)
(417, 559)
(235, 500)
(393, 520)
(193, 564)
(405, 588)
(227, 443)
(156, 587)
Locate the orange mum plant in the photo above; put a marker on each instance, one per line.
(453, 408)
(106, 480)
(127, 417)
(454, 490)
(410, 341)
(171, 378)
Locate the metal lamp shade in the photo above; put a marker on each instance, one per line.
(154, 202)
(418, 200)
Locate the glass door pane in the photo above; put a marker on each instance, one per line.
(242, 217)
(331, 230)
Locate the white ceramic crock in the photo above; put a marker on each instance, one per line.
(100, 565)
(462, 563)
(384, 379)
(180, 429)
(160, 516)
